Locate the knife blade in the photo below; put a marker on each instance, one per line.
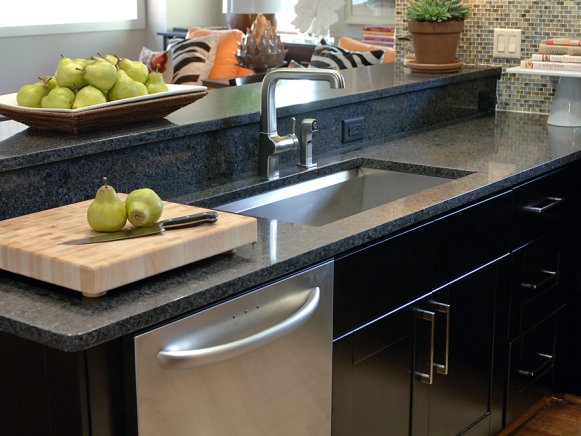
(159, 227)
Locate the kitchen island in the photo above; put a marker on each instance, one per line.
(205, 154)
(436, 125)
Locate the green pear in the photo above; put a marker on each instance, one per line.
(137, 70)
(100, 74)
(112, 59)
(155, 83)
(58, 98)
(82, 62)
(88, 96)
(31, 95)
(69, 74)
(125, 87)
(144, 207)
(49, 81)
(106, 213)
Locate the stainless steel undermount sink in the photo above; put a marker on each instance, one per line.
(332, 197)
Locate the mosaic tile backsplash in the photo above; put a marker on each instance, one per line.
(538, 19)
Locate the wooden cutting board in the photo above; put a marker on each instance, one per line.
(31, 245)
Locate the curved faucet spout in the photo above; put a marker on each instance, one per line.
(268, 104)
(270, 142)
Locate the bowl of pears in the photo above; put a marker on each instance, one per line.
(99, 92)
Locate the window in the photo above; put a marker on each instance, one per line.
(39, 17)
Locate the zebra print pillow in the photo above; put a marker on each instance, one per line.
(193, 59)
(329, 56)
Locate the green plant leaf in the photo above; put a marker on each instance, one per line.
(437, 10)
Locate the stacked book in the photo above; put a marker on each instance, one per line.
(556, 54)
(379, 35)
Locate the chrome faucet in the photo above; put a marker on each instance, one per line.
(270, 142)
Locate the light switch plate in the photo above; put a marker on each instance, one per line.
(507, 43)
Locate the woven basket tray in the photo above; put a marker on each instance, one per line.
(103, 117)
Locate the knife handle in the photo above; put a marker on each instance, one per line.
(189, 220)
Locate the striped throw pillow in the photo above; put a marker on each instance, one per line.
(193, 59)
(329, 56)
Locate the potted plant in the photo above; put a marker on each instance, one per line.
(435, 26)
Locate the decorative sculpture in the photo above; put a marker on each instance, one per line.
(261, 48)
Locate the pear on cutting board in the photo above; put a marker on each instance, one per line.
(107, 212)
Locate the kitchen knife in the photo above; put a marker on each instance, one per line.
(161, 226)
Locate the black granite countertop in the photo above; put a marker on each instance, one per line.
(495, 151)
(20, 147)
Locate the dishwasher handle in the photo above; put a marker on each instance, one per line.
(182, 359)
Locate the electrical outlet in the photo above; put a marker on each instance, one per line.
(352, 129)
(507, 43)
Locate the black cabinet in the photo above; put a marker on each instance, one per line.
(382, 277)
(456, 319)
(538, 275)
(415, 325)
(425, 369)
(453, 354)
(371, 378)
(531, 368)
(54, 393)
(568, 346)
(537, 297)
(540, 280)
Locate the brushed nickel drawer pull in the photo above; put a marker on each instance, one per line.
(549, 276)
(551, 202)
(426, 315)
(533, 373)
(442, 368)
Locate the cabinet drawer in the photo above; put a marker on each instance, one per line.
(380, 278)
(541, 205)
(531, 369)
(536, 278)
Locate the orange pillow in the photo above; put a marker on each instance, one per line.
(355, 45)
(225, 65)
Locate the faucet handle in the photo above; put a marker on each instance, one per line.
(292, 133)
(308, 126)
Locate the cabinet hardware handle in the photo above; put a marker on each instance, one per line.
(206, 356)
(549, 276)
(445, 309)
(553, 201)
(426, 315)
(541, 367)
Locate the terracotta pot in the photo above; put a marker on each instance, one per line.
(435, 43)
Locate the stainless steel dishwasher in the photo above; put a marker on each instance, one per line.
(259, 364)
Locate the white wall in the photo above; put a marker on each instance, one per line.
(182, 13)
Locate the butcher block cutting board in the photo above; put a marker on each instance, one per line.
(31, 245)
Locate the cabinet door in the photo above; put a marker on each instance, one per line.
(371, 379)
(453, 355)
